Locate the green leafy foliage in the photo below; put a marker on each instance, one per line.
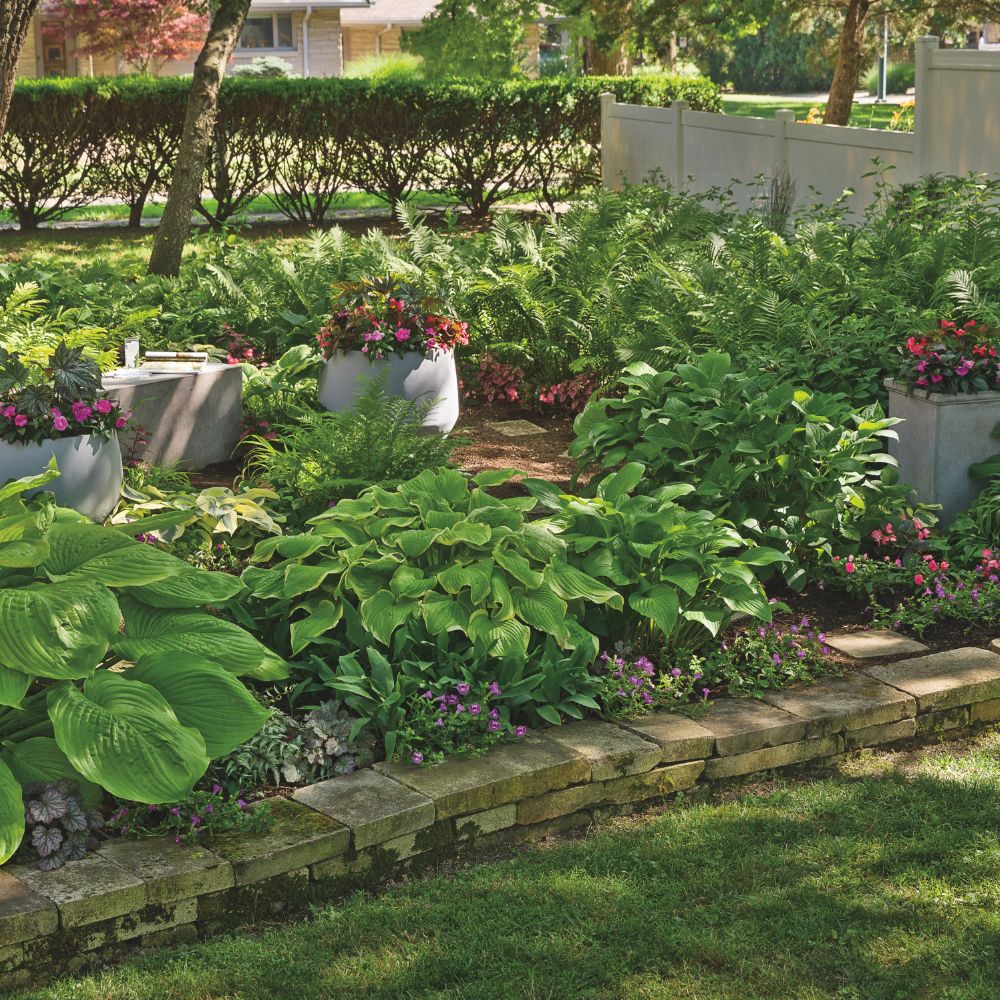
(325, 457)
(74, 598)
(794, 469)
(674, 568)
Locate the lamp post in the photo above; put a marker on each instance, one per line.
(883, 61)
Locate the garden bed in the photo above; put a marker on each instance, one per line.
(375, 825)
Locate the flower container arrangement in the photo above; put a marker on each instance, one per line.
(57, 411)
(389, 327)
(948, 393)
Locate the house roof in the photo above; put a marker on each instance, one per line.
(382, 12)
(279, 5)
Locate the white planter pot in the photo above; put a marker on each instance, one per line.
(941, 437)
(90, 470)
(411, 376)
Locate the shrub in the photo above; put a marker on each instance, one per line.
(77, 598)
(69, 142)
(900, 76)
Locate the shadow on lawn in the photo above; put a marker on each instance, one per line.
(869, 888)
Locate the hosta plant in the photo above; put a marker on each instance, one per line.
(793, 469)
(77, 599)
(683, 573)
(437, 554)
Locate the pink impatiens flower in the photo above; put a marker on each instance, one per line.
(402, 334)
(81, 411)
(20, 420)
(103, 406)
(59, 422)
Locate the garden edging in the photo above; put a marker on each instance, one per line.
(365, 828)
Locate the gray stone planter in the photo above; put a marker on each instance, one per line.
(941, 438)
(411, 376)
(90, 470)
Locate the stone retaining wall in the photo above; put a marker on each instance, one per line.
(363, 829)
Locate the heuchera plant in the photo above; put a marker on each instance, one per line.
(951, 360)
(60, 400)
(384, 317)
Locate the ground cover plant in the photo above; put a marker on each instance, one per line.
(874, 880)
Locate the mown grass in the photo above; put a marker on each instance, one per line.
(876, 881)
(862, 115)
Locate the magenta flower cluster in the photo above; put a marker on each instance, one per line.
(101, 416)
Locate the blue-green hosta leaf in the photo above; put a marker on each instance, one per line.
(192, 589)
(382, 614)
(90, 552)
(204, 697)
(13, 686)
(476, 576)
(518, 567)
(40, 759)
(11, 813)
(571, 583)
(501, 638)
(157, 630)
(658, 603)
(322, 617)
(124, 736)
(61, 631)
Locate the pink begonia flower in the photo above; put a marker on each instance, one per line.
(59, 422)
(103, 406)
(20, 420)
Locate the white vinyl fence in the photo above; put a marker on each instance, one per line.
(957, 130)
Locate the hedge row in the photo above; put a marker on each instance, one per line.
(72, 142)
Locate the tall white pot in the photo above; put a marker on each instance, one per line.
(411, 376)
(90, 470)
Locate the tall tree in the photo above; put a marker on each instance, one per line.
(472, 37)
(15, 20)
(143, 33)
(199, 121)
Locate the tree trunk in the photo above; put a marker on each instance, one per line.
(199, 121)
(600, 62)
(845, 76)
(15, 20)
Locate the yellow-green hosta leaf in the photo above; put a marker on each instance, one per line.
(382, 614)
(476, 576)
(61, 630)
(416, 541)
(124, 736)
(13, 686)
(442, 613)
(204, 697)
(91, 552)
(518, 567)
(501, 638)
(409, 581)
(192, 589)
(571, 583)
(40, 759)
(157, 630)
(11, 813)
(322, 617)
(300, 579)
(542, 609)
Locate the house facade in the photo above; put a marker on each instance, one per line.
(317, 38)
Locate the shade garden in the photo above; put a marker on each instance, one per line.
(350, 588)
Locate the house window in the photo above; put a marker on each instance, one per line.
(268, 31)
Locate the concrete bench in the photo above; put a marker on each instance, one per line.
(192, 419)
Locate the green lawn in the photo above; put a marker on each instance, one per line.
(877, 881)
(863, 115)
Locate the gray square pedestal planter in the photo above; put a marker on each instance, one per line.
(193, 419)
(941, 437)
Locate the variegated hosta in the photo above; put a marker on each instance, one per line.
(111, 671)
(438, 554)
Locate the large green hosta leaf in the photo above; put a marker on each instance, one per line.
(124, 736)
(11, 813)
(40, 759)
(382, 613)
(158, 630)
(190, 589)
(204, 697)
(91, 552)
(13, 686)
(61, 630)
(659, 603)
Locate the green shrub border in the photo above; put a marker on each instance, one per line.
(71, 142)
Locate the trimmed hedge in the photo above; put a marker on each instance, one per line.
(71, 142)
